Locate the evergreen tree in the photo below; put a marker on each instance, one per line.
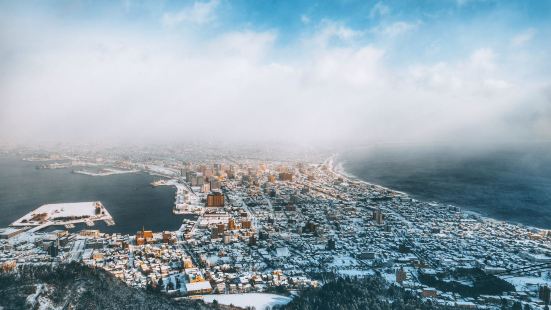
(160, 284)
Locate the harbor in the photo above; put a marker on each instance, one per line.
(129, 197)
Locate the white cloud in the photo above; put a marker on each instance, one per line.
(330, 30)
(244, 44)
(305, 19)
(523, 38)
(199, 13)
(379, 9)
(477, 73)
(108, 86)
(396, 28)
(483, 58)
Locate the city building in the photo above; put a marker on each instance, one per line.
(215, 199)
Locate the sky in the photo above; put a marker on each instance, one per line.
(467, 72)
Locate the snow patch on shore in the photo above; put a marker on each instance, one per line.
(260, 301)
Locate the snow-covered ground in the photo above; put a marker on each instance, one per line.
(58, 210)
(186, 202)
(355, 272)
(64, 213)
(527, 283)
(259, 301)
(105, 172)
(343, 261)
(161, 170)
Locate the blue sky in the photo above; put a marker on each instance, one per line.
(426, 30)
(380, 67)
(453, 25)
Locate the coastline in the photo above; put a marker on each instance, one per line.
(337, 167)
(182, 206)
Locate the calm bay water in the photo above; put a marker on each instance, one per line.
(512, 185)
(130, 198)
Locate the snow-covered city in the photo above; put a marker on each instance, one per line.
(274, 228)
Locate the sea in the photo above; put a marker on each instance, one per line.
(130, 199)
(509, 183)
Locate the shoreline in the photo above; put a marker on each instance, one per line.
(182, 206)
(337, 167)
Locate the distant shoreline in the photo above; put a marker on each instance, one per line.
(336, 166)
